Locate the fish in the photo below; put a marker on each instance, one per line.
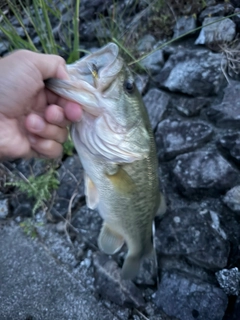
(115, 143)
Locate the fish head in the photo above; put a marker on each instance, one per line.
(104, 86)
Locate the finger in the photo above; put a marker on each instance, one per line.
(72, 110)
(55, 115)
(45, 148)
(49, 65)
(38, 126)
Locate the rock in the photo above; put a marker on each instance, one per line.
(184, 24)
(153, 313)
(190, 106)
(153, 63)
(193, 72)
(35, 286)
(156, 102)
(189, 298)
(236, 19)
(3, 208)
(229, 281)
(4, 47)
(190, 233)
(174, 137)
(28, 167)
(148, 273)
(109, 284)
(216, 33)
(88, 223)
(88, 10)
(146, 43)
(219, 10)
(232, 199)
(59, 246)
(235, 315)
(227, 113)
(141, 82)
(71, 183)
(204, 171)
(231, 145)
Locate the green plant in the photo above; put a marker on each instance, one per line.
(39, 188)
(68, 147)
(29, 227)
(39, 14)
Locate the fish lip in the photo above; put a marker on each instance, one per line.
(83, 87)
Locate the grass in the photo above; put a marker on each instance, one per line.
(37, 16)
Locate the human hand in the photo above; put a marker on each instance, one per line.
(33, 120)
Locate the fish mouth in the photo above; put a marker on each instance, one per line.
(89, 78)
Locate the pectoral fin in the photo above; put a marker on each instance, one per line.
(91, 192)
(122, 182)
(109, 241)
(162, 206)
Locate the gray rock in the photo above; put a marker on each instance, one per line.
(153, 313)
(187, 232)
(232, 199)
(235, 315)
(156, 102)
(216, 33)
(58, 245)
(193, 72)
(218, 10)
(189, 298)
(231, 145)
(204, 171)
(148, 272)
(141, 82)
(190, 106)
(229, 281)
(146, 43)
(109, 284)
(71, 183)
(88, 9)
(34, 285)
(88, 223)
(227, 113)
(3, 208)
(184, 24)
(153, 63)
(4, 47)
(174, 137)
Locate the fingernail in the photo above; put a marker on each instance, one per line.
(36, 123)
(62, 73)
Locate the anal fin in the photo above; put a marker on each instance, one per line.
(109, 241)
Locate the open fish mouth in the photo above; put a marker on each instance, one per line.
(89, 78)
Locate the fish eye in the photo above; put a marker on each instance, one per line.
(129, 86)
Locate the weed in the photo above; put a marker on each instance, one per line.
(29, 227)
(68, 147)
(39, 188)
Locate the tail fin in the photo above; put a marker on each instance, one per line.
(131, 267)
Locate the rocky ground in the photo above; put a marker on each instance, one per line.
(54, 270)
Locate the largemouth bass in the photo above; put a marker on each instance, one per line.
(115, 143)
